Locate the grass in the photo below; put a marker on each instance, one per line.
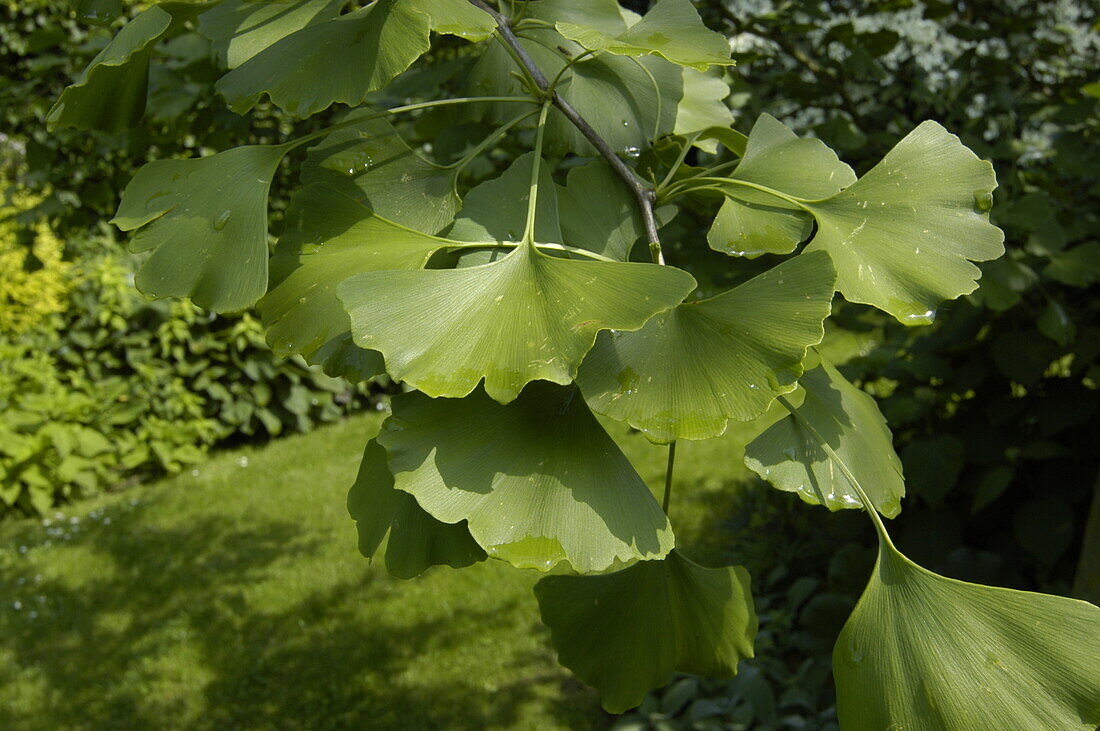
(233, 597)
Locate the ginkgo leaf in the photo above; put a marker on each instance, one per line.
(417, 541)
(598, 212)
(929, 653)
(605, 16)
(110, 94)
(904, 236)
(688, 371)
(339, 61)
(628, 101)
(626, 633)
(329, 238)
(526, 317)
(750, 222)
(371, 162)
(538, 481)
(703, 107)
(205, 220)
(672, 29)
(790, 454)
(496, 210)
(239, 29)
(457, 18)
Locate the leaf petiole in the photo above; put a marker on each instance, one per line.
(306, 139)
(868, 506)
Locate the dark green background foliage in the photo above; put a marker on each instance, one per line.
(995, 411)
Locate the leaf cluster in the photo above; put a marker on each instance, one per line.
(512, 325)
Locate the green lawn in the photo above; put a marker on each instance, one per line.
(234, 597)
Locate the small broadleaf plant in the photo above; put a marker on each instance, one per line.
(516, 313)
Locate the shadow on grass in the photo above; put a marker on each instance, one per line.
(158, 633)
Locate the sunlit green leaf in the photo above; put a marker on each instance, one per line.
(790, 456)
(928, 653)
(239, 29)
(703, 107)
(337, 61)
(688, 371)
(417, 541)
(329, 238)
(456, 17)
(751, 223)
(110, 94)
(672, 29)
(496, 210)
(205, 220)
(904, 235)
(626, 633)
(538, 480)
(369, 161)
(525, 317)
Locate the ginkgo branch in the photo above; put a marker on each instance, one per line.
(643, 194)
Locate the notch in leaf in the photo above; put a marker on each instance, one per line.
(538, 481)
(797, 453)
(904, 235)
(626, 633)
(205, 221)
(417, 541)
(526, 317)
(690, 370)
(751, 222)
(339, 61)
(672, 29)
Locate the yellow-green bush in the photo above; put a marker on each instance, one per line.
(106, 385)
(34, 279)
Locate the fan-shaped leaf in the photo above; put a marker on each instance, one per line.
(526, 317)
(606, 16)
(628, 101)
(239, 29)
(672, 30)
(598, 212)
(790, 456)
(338, 61)
(371, 162)
(417, 541)
(329, 238)
(928, 653)
(496, 210)
(205, 220)
(627, 632)
(538, 480)
(904, 235)
(751, 223)
(457, 18)
(688, 371)
(703, 107)
(110, 94)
